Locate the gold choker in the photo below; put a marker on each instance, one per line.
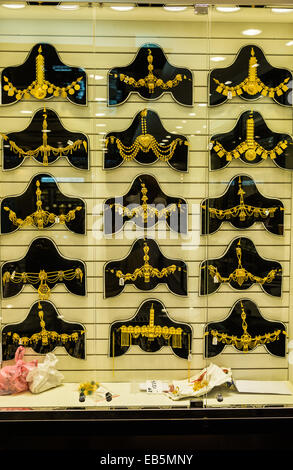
(145, 210)
(250, 149)
(45, 150)
(252, 85)
(246, 341)
(44, 336)
(146, 271)
(41, 87)
(242, 210)
(151, 331)
(44, 278)
(151, 81)
(145, 142)
(240, 274)
(40, 218)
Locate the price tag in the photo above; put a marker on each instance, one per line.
(215, 341)
(211, 145)
(216, 280)
(121, 281)
(69, 142)
(154, 386)
(229, 96)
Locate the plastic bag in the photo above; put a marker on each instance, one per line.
(200, 384)
(45, 376)
(13, 378)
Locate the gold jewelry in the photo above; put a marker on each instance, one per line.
(151, 331)
(40, 218)
(45, 150)
(43, 277)
(151, 81)
(246, 341)
(44, 336)
(145, 142)
(242, 210)
(146, 271)
(240, 274)
(40, 87)
(145, 211)
(252, 85)
(249, 148)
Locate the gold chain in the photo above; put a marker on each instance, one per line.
(240, 274)
(151, 331)
(40, 87)
(40, 218)
(146, 271)
(252, 84)
(145, 211)
(242, 210)
(151, 81)
(250, 148)
(145, 142)
(246, 341)
(45, 150)
(44, 336)
(43, 277)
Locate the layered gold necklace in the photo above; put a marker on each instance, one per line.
(45, 150)
(240, 274)
(40, 218)
(151, 82)
(146, 211)
(242, 210)
(252, 85)
(245, 342)
(145, 142)
(249, 148)
(43, 336)
(151, 332)
(42, 277)
(41, 87)
(146, 271)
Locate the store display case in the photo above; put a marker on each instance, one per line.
(143, 91)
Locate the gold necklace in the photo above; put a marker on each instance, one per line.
(151, 81)
(44, 336)
(249, 148)
(240, 274)
(40, 87)
(44, 149)
(242, 210)
(146, 271)
(44, 278)
(145, 142)
(251, 85)
(145, 210)
(40, 218)
(151, 331)
(246, 341)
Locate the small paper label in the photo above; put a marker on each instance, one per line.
(215, 341)
(211, 145)
(216, 280)
(154, 386)
(229, 96)
(69, 142)
(57, 220)
(121, 281)
(13, 275)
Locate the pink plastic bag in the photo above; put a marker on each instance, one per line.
(13, 378)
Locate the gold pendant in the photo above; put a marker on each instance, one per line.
(240, 275)
(145, 140)
(250, 155)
